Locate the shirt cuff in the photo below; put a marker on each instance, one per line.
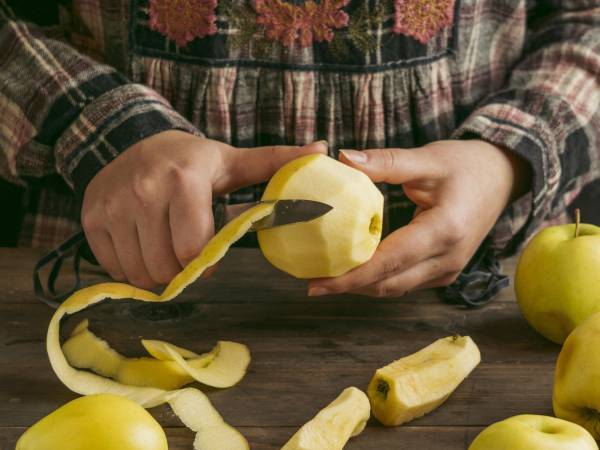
(516, 131)
(109, 124)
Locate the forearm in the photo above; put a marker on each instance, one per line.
(548, 116)
(65, 113)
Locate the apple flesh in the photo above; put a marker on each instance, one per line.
(331, 428)
(556, 281)
(417, 384)
(532, 432)
(576, 395)
(96, 422)
(336, 242)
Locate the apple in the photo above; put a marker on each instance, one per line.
(335, 424)
(557, 279)
(532, 432)
(96, 422)
(576, 394)
(336, 242)
(417, 384)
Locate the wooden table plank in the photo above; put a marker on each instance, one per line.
(305, 351)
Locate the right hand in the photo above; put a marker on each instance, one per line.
(149, 211)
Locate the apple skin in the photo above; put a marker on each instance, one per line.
(532, 432)
(576, 395)
(557, 279)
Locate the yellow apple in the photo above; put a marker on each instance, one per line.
(336, 242)
(417, 384)
(557, 279)
(331, 428)
(96, 422)
(531, 432)
(577, 378)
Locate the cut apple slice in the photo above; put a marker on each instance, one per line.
(335, 424)
(190, 405)
(417, 384)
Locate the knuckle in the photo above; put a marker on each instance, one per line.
(89, 222)
(452, 232)
(387, 159)
(389, 266)
(113, 208)
(381, 290)
(144, 188)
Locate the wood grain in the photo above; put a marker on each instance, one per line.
(305, 351)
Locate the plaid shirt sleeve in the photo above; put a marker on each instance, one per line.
(61, 112)
(549, 114)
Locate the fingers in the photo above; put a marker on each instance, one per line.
(248, 166)
(129, 252)
(103, 248)
(154, 234)
(404, 282)
(191, 222)
(400, 251)
(394, 166)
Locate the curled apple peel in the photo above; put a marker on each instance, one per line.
(191, 405)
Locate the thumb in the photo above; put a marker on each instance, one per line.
(249, 166)
(392, 165)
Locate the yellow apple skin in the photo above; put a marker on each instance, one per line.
(556, 281)
(336, 242)
(531, 432)
(96, 422)
(576, 395)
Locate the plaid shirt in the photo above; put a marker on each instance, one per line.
(99, 75)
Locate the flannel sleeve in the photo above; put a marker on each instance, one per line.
(61, 112)
(548, 113)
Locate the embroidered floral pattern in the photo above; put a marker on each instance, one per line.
(183, 20)
(305, 24)
(422, 19)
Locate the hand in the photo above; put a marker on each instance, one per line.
(460, 189)
(149, 212)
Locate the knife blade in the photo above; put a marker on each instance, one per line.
(284, 212)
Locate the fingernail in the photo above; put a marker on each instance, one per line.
(323, 142)
(355, 156)
(317, 291)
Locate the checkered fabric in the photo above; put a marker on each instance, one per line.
(524, 75)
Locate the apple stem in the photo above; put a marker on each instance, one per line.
(577, 221)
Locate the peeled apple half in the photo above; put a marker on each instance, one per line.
(335, 424)
(417, 384)
(96, 422)
(336, 242)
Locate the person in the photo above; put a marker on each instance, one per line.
(481, 121)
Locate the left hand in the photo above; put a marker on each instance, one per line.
(460, 189)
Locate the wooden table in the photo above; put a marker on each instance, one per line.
(304, 352)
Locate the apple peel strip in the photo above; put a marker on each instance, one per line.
(191, 405)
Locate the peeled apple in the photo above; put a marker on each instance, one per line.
(96, 422)
(417, 384)
(336, 242)
(335, 424)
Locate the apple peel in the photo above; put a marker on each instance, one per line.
(224, 366)
(191, 406)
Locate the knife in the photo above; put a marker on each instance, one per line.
(284, 212)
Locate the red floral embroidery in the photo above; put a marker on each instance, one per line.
(183, 20)
(422, 19)
(307, 23)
